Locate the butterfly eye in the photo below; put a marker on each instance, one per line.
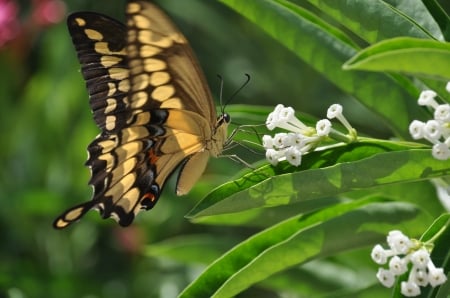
(224, 117)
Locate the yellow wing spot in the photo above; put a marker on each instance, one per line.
(136, 66)
(107, 145)
(141, 22)
(111, 88)
(133, 8)
(134, 133)
(124, 85)
(101, 47)
(178, 38)
(110, 161)
(132, 51)
(149, 51)
(138, 99)
(108, 61)
(159, 78)
(118, 73)
(172, 103)
(140, 82)
(110, 122)
(123, 169)
(148, 37)
(128, 150)
(93, 34)
(140, 119)
(132, 35)
(120, 187)
(162, 93)
(130, 199)
(112, 105)
(152, 65)
(80, 22)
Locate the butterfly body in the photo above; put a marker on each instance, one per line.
(152, 104)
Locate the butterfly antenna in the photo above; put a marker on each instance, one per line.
(238, 90)
(221, 93)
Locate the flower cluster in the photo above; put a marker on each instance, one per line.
(301, 138)
(437, 130)
(401, 252)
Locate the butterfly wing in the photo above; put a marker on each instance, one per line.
(151, 102)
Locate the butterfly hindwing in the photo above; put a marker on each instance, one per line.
(152, 104)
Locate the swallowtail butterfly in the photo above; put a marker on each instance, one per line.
(151, 102)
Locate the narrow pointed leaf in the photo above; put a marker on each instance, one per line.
(327, 173)
(300, 239)
(419, 57)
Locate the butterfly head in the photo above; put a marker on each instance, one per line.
(223, 118)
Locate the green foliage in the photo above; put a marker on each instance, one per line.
(270, 231)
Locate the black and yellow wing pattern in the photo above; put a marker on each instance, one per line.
(151, 102)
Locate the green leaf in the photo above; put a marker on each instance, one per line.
(420, 57)
(327, 173)
(377, 20)
(200, 248)
(300, 239)
(326, 50)
(436, 228)
(441, 17)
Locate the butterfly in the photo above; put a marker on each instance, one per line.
(150, 99)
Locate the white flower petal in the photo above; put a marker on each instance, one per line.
(386, 277)
(436, 277)
(426, 98)
(440, 151)
(398, 242)
(416, 129)
(397, 265)
(334, 111)
(323, 127)
(410, 289)
(420, 258)
(379, 254)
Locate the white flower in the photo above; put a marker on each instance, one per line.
(267, 142)
(442, 113)
(432, 130)
(426, 98)
(416, 129)
(298, 140)
(273, 118)
(397, 265)
(272, 156)
(293, 156)
(398, 242)
(386, 277)
(410, 289)
(323, 127)
(419, 277)
(447, 87)
(379, 254)
(334, 111)
(440, 151)
(420, 258)
(436, 276)
(279, 140)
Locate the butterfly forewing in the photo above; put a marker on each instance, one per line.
(151, 102)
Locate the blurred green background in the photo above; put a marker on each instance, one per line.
(46, 125)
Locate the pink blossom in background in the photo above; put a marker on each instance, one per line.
(48, 12)
(9, 23)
